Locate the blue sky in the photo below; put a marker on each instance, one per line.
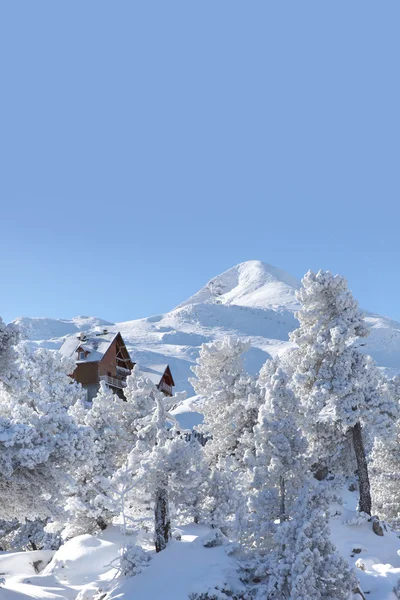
(147, 146)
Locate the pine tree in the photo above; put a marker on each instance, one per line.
(336, 384)
(385, 475)
(231, 399)
(230, 408)
(161, 463)
(91, 504)
(9, 338)
(279, 464)
(304, 564)
(41, 444)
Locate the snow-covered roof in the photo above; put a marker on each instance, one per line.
(153, 372)
(96, 344)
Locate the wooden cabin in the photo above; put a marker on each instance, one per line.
(161, 376)
(103, 356)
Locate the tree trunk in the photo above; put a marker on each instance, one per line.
(162, 523)
(282, 498)
(362, 469)
(101, 523)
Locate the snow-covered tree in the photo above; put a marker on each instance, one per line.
(9, 337)
(96, 498)
(222, 499)
(132, 561)
(385, 475)
(231, 398)
(278, 467)
(90, 504)
(336, 384)
(305, 565)
(32, 535)
(230, 408)
(161, 463)
(41, 444)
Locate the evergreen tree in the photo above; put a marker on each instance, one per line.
(231, 398)
(337, 385)
(304, 564)
(41, 444)
(161, 463)
(9, 338)
(230, 408)
(385, 475)
(91, 503)
(279, 465)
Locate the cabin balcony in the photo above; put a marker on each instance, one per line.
(164, 387)
(113, 381)
(123, 371)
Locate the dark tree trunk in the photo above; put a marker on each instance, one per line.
(282, 500)
(320, 470)
(101, 523)
(362, 469)
(162, 523)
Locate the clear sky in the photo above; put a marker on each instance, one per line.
(146, 146)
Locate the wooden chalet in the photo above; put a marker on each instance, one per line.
(103, 356)
(160, 375)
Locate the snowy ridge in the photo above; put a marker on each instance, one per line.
(52, 330)
(252, 301)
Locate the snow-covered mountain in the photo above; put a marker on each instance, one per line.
(253, 300)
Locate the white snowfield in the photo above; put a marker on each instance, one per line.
(252, 301)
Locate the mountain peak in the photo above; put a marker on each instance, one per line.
(252, 283)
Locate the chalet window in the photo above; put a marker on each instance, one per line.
(81, 355)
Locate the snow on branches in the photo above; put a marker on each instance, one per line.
(41, 444)
(337, 386)
(278, 467)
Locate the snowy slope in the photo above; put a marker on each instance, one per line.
(84, 567)
(252, 283)
(49, 332)
(376, 560)
(253, 301)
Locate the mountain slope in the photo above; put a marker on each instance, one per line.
(253, 301)
(253, 284)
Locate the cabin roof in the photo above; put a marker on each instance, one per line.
(154, 372)
(95, 344)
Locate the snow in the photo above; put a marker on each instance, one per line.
(153, 372)
(379, 555)
(252, 283)
(96, 344)
(83, 558)
(189, 412)
(56, 328)
(185, 567)
(83, 566)
(252, 301)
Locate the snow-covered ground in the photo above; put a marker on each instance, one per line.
(82, 568)
(85, 565)
(253, 301)
(376, 559)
